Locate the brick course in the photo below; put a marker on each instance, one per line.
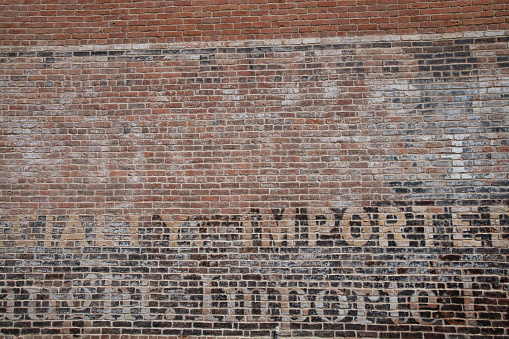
(156, 181)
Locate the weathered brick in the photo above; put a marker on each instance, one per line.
(233, 170)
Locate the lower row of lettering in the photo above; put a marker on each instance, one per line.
(237, 305)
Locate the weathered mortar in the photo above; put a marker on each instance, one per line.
(332, 186)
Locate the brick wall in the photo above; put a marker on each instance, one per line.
(74, 22)
(159, 183)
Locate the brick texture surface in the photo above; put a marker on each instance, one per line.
(37, 22)
(306, 184)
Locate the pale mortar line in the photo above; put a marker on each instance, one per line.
(258, 43)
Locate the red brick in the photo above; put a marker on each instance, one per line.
(326, 3)
(74, 16)
(145, 181)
